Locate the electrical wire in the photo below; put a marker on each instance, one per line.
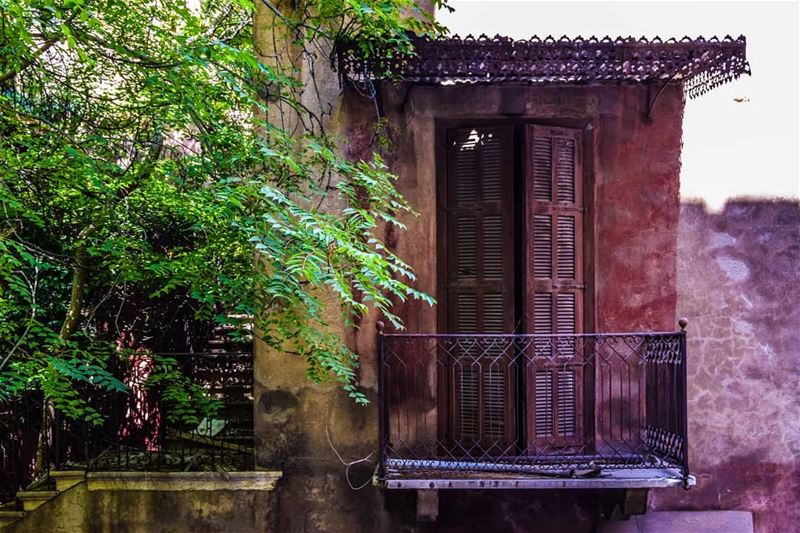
(347, 464)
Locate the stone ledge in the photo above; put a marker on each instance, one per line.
(66, 479)
(183, 481)
(9, 517)
(683, 521)
(34, 498)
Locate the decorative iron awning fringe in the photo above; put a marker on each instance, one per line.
(701, 64)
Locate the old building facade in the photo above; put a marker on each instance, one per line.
(603, 355)
(546, 178)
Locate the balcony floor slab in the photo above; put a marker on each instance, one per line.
(638, 478)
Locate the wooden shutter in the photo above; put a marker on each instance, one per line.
(480, 281)
(554, 284)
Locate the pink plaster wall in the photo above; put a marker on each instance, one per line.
(739, 285)
(637, 189)
(632, 171)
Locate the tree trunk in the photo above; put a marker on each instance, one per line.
(68, 327)
(79, 271)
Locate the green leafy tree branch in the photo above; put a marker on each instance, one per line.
(139, 154)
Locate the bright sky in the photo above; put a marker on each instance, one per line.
(731, 150)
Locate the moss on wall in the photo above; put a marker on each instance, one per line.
(202, 502)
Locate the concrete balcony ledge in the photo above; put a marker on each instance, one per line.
(183, 481)
(633, 478)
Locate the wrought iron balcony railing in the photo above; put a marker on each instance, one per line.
(492, 405)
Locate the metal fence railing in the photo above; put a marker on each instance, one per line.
(467, 403)
(20, 424)
(144, 428)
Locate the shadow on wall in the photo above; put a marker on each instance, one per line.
(739, 285)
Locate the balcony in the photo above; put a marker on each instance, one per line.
(533, 411)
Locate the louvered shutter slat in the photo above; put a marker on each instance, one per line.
(493, 247)
(494, 403)
(466, 246)
(543, 404)
(492, 168)
(542, 246)
(466, 168)
(566, 402)
(467, 313)
(542, 315)
(542, 169)
(565, 313)
(469, 388)
(494, 313)
(565, 169)
(566, 247)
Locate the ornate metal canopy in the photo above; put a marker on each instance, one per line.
(700, 64)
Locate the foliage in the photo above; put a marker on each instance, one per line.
(136, 158)
(185, 401)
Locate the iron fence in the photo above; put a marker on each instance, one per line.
(143, 428)
(20, 424)
(538, 404)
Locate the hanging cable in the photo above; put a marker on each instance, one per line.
(350, 463)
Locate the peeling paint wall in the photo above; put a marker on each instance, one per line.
(739, 285)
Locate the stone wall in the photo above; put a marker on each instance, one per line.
(739, 285)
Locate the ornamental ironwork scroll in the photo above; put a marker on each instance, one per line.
(700, 64)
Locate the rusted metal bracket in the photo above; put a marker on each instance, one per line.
(635, 502)
(651, 103)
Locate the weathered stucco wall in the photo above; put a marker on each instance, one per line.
(148, 502)
(633, 171)
(633, 168)
(292, 414)
(739, 285)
